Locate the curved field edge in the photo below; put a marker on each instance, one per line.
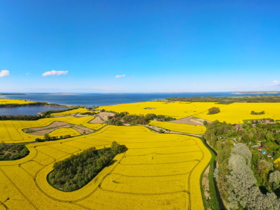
(179, 127)
(215, 202)
(195, 182)
(172, 126)
(29, 157)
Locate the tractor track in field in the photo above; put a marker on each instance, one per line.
(19, 190)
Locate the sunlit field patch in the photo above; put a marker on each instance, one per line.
(74, 111)
(13, 101)
(179, 127)
(64, 132)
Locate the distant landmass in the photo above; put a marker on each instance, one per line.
(12, 94)
(257, 93)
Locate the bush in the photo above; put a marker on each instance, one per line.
(257, 113)
(214, 110)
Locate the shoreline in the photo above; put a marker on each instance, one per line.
(35, 104)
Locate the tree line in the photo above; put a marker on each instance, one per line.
(20, 117)
(29, 104)
(257, 113)
(228, 100)
(47, 137)
(125, 117)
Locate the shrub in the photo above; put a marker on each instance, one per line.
(214, 110)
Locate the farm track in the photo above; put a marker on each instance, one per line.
(3, 204)
(157, 129)
(55, 125)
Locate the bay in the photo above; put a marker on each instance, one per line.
(28, 110)
(102, 99)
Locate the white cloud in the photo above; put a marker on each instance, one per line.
(54, 72)
(276, 83)
(4, 73)
(120, 76)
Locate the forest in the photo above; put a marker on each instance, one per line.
(12, 151)
(76, 171)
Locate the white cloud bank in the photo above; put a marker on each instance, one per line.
(120, 76)
(4, 73)
(54, 73)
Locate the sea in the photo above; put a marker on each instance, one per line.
(105, 99)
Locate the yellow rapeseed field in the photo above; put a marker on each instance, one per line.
(64, 131)
(13, 101)
(179, 127)
(231, 113)
(74, 111)
(277, 163)
(159, 171)
(173, 109)
(11, 130)
(237, 112)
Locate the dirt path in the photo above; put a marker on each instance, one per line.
(205, 183)
(97, 119)
(56, 125)
(158, 129)
(102, 117)
(190, 120)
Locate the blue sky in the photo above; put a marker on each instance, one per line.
(139, 46)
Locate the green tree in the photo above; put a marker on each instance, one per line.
(47, 137)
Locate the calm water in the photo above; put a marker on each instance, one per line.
(93, 99)
(106, 99)
(28, 110)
